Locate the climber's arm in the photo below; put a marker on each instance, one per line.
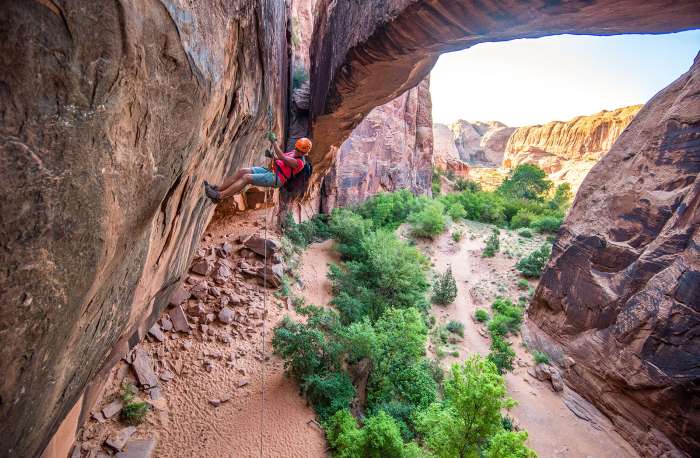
(279, 154)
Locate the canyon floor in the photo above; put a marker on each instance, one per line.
(204, 367)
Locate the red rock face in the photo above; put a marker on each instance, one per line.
(568, 150)
(621, 293)
(390, 149)
(111, 115)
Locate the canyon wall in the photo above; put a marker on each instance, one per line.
(566, 151)
(621, 292)
(445, 154)
(390, 149)
(481, 143)
(111, 116)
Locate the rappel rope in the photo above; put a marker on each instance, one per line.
(265, 292)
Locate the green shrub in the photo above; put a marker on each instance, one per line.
(445, 288)
(493, 244)
(481, 315)
(456, 327)
(547, 223)
(523, 284)
(467, 185)
(523, 218)
(526, 181)
(507, 422)
(527, 233)
(540, 357)
(329, 393)
(428, 222)
(390, 209)
(133, 411)
(457, 235)
(312, 230)
(501, 354)
(456, 211)
(531, 266)
(435, 183)
(509, 444)
(349, 230)
(506, 314)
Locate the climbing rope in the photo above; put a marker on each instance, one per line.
(265, 292)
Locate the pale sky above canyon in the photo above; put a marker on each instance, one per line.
(533, 81)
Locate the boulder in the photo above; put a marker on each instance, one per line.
(179, 320)
(262, 246)
(226, 315)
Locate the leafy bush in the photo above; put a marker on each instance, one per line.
(456, 211)
(384, 272)
(435, 182)
(507, 314)
(526, 181)
(329, 392)
(470, 415)
(523, 218)
(547, 223)
(390, 209)
(312, 230)
(467, 185)
(481, 315)
(380, 437)
(527, 233)
(493, 244)
(349, 230)
(428, 222)
(540, 357)
(445, 288)
(523, 284)
(531, 266)
(457, 235)
(456, 327)
(509, 444)
(133, 411)
(501, 354)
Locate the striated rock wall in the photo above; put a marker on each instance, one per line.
(111, 115)
(482, 143)
(621, 292)
(568, 150)
(445, 153)
(390, 149)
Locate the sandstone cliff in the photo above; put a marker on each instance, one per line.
(111, 115)
(621, 292)
(567, 150)
(480, 142)
(390, 149)
(445, 153)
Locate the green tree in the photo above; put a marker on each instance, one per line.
(470, 415)
(509, 444)
(428, 222)
(531, 265)
(445, 288)
(493, 244)
(527, 181)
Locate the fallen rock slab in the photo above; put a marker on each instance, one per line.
(112, 408)
(179, 320)
(156, 332)
(138, 448)
(262, 246)
(179, 296)
(226, 315)
(143, 366)
(118, 440)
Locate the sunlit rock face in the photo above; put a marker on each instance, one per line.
(566, 151)
(445, 154)
(111, 116)
(621, 293)
(390, 149)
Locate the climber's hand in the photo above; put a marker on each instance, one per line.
(271, 136)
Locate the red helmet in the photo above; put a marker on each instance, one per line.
(303, 145)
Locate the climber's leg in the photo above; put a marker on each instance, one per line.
(228, 181)
(237, 187)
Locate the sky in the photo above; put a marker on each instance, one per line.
(533, 81)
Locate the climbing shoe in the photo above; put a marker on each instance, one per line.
(213, 194)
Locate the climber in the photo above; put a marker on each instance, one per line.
(283, 168)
